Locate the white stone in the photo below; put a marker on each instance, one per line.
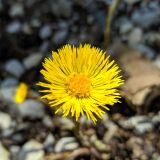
(32, 150)
(5, 121)
(4, 154)
(60, 145)
(13, 27)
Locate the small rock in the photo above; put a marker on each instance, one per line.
(100, 146)
(31, 109)
(156, 119)
(61, 144)
(14, 151)
(32, 60)
(49, 142)
(26, 28)
(135, 36)
(146, 18)
(60, 36)
(131, 1)
(14, 27)
(62, 8)
(5, 120)
(16, 10)
(9, 82)
(4, 154)
(14, 67)
(45, 32)
(32, 150)
(143, 128)
(150, 53)
(126, 27)
(65, 123)
(8, 94)
(133, 121)
(35, 23)
(47, 122)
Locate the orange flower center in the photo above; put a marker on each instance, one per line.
(79, 85)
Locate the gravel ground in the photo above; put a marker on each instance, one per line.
(29, 30)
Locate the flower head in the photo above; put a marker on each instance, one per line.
(81, 81)
(21, 93)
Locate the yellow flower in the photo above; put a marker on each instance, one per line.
(21, 93)
(81, 81)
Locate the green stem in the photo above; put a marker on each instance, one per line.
(109, 18)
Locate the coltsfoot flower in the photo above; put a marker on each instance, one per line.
(81, 81)
(21, 93)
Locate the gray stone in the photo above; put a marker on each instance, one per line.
(35, 22)
(143, 128)
(135, 36)
(32, 60)
(150, 53)
(65, 123)
(14, 27)
(32, 150)
(63, 144)
(60, 36)
(7, 94)
(5, 121)
(156, 119)
(62, 8)
(152, 38)
(4, 154)
(31, 109)
(131, 1)
(14, 67)
(146, 18)
(16, 10)
(9, 82)
(45, 32)
(47, 122)
(14, 150)
(133, 121)
(49, 143)
(126, 27)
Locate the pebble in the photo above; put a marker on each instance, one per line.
(9, 82)
(133, 121)
(135, 36)
(150, 53)
(66, 143)
(16, 10)
(4, 154)
(5, 121)
(15, 68)
(126, 27)
(31, 150)
(31, 109)
(131, 1)
(49, 142)
(60, 36)
(62, 8)
(156, 119)
(14, 27)
(32, 60)
(143, 128)
(7, 94)
(45, 32)
(146, 18)
(14, 150)
(67, 124)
